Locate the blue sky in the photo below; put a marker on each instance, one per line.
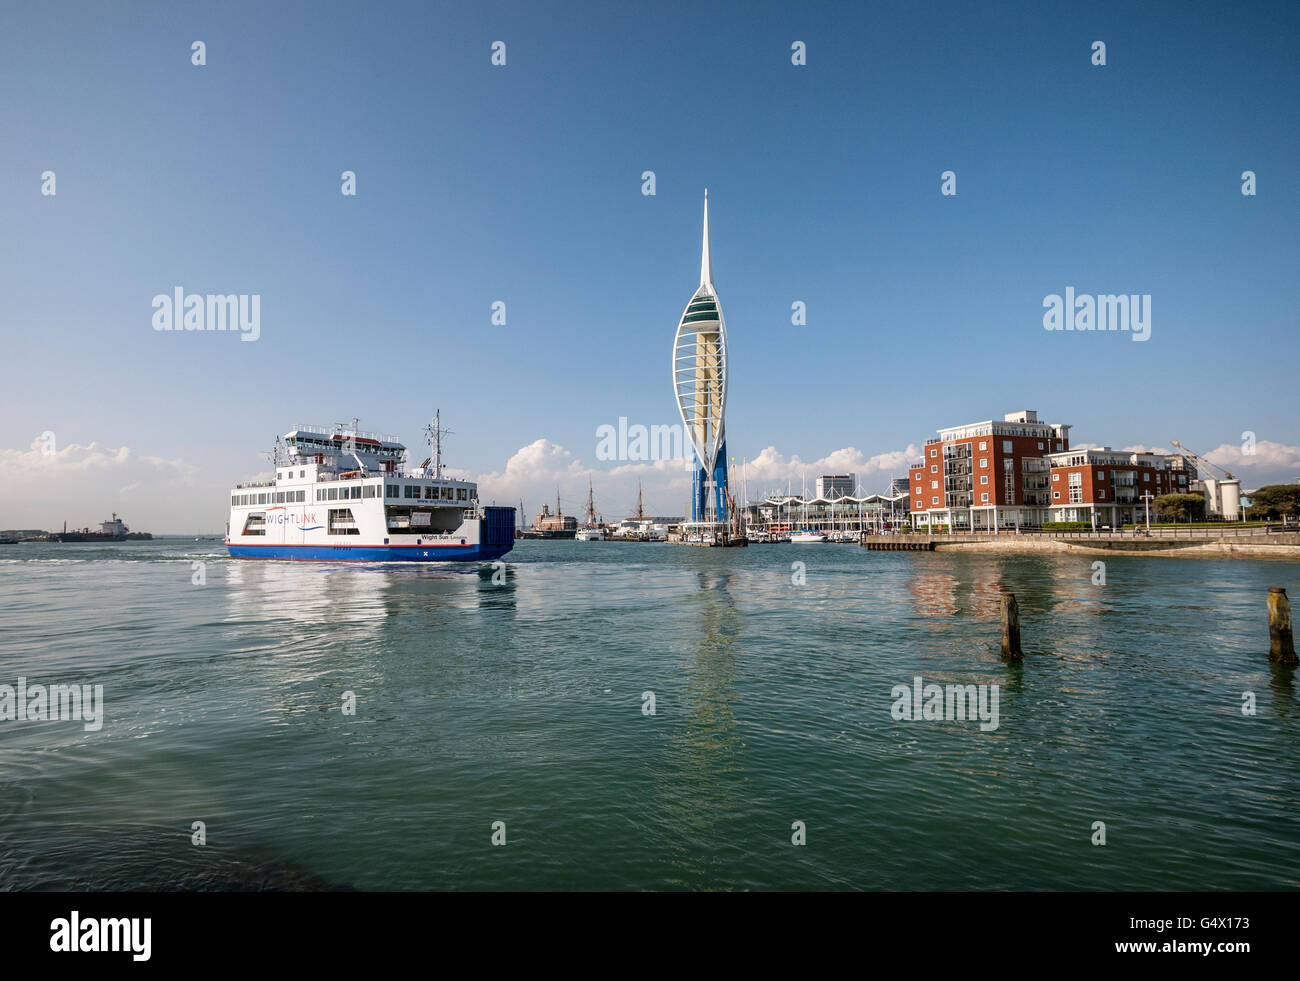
(522, 184)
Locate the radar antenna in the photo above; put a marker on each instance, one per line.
(433, 434)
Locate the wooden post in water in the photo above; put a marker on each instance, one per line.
(1011, 627)
(1281, 645)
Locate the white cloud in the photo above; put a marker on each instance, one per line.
(83, 484)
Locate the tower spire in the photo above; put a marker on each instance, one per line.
(706, 263)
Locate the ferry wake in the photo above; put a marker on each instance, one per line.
(341, 495)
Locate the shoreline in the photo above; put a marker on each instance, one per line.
(1285, 546)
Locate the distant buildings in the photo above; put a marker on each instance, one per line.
(1020, 472)
(837, 485)
(555, 523)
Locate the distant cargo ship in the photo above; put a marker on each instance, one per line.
(112, 530)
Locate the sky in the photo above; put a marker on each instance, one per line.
(522, 184)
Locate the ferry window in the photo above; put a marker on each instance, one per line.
(333, 494)
(446, 493)
(461, 495)
(356, 491)
(302, 496)
(302, 473)
(428, 493)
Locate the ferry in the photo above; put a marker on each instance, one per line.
(342, 495)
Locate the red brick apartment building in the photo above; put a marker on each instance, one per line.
(1019, 473)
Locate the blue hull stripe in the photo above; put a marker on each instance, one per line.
(371, 553)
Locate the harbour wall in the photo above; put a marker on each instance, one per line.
(1268, 546)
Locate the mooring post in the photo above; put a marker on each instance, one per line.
(1281, 645)
(1011, 627)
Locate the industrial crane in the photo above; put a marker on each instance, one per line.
(1198, 461)
(1227, 499)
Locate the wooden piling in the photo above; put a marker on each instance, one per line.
(1011, 628)
(1281, 645)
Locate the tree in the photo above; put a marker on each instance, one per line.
(1180, 507)
(1274, 501)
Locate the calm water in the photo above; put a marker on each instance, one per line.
(522, 702)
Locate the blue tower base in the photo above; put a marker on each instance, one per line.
(700, 490)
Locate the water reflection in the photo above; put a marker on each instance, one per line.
(306, 593)
(934, 593)
(1282, 685)
(706, 749)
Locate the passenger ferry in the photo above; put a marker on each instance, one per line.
(342, 495)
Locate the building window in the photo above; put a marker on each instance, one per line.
(1040, 446)
(984, 498)
(984, 478)
(1101, 494)
(1146, 477)
(1056, 476)
(1056, 495)
(934, 500)
(1006, 446)
(984, 445)
(1101, 474)
(934, 485)
(934, 452)
(934, 468)
(984, 462)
